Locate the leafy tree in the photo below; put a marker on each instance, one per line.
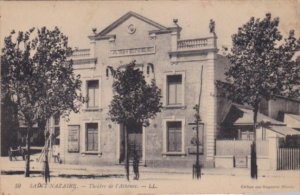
(134, 101)
(39, 77)
(262, 66)
(9, 124)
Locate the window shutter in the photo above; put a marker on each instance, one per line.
(91, 97)
(178, 140)
(95, 141)
(73, 138)
(171, 93)
(174, 136)
(179, 93)
(174, 83)
(92, 137)
(96, 95)
(93, 93)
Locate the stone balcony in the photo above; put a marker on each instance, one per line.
(184, 50)
(81, 53)
(194, 45)
(82, 59)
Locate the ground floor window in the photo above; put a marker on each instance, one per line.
(174, 136)
(73, 138)
(246, 135)
(92, 136)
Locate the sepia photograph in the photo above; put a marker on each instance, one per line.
(150, 97)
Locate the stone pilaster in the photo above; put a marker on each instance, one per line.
(93, 49)
(211, 123)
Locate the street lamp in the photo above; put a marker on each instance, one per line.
(197, 166)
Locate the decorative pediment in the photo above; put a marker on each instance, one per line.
(104, 32)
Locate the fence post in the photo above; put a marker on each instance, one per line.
(273, 145)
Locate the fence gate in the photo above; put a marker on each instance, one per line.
(288, 158)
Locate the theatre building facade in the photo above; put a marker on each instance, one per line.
(90, 137)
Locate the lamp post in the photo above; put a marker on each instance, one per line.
(197, 166)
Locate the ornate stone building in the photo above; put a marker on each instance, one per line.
(89, 137)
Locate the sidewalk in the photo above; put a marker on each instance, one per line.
(67, 170)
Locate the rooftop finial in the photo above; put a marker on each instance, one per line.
(94, 30)
(175, 20)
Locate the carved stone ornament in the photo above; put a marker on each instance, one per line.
(131, 29)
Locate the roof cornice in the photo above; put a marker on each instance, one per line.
(125, 17)
(96, 37)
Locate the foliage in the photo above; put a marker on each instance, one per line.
(262, 68)
(134, 102)
(9, 119)
(39, 77)
(9, 125)
(134, 99)
(262, 65)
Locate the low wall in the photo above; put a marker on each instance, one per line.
(227, 161)
(240, 147)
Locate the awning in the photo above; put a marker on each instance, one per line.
(292, 120)
(283, 130)
(247, 118)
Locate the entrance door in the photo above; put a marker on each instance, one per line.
(135, 141)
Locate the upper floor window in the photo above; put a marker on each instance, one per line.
(56, 118)
(174, 90)
(93, 93)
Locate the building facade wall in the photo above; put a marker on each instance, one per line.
(167, 59)
(291, 122)
(283, 105)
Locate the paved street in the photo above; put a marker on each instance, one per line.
(77, 179)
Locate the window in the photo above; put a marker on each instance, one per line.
(247, 135)
(73, 138)
(174, 136)
(56, 126)
(92, 137)
(174, 90)
(93, 94)
(56, 118)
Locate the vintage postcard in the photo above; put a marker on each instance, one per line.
(150, 97)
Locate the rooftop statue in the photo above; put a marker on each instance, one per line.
(212, 26)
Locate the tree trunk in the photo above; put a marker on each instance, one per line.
(27, 166)
(46, 162)
(126, 152)
(253, 146)
(46, 167)
(255, 111)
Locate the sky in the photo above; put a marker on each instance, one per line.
(77, 18)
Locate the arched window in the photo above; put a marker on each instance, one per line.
(150, 67)
(107, 72)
